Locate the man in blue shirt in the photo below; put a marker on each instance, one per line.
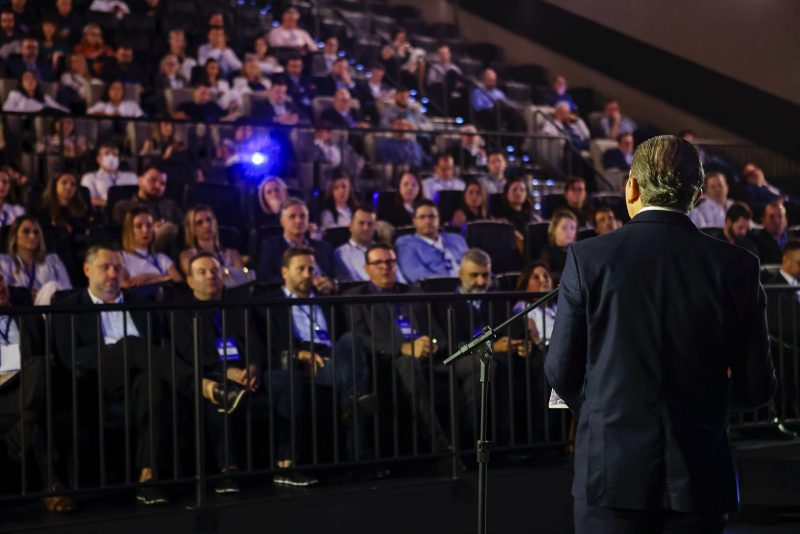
(491, 107)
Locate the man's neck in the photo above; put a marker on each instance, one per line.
(145, 198)
(295, 291)
(107, 298)
(206, 244)
(433, 237)
(360, 243)
(204, 297)
(295, 239)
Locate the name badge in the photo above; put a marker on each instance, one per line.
(10, 358)
(227, 347)
(404, 324)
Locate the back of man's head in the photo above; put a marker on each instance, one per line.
(668, 171)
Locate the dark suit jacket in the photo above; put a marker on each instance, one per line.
(650, 319)
(769, 251)
(469, 320)
(15, 66)
(262, 110)
(386, 337)
(270, 253)
(615, 159)
(337, 121)
(208, 335)
(86, 340)
(779, 308)
(280, 332)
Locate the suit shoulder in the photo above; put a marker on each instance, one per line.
(404, 240)
(321, 245)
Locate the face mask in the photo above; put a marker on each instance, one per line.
(111, 162)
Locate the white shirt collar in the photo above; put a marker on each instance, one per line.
(661, 208)
(789, 278)
(434, 243)
(357, 246)
(292, 295)
(97, 300)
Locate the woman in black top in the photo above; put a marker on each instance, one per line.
(561, 233)
(63, 205)
(516, 206)
(409, 192)
(472, 206)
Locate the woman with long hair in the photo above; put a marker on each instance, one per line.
(535, 278)
(29, 98)
(338, 204)
(141, 264)
(28, 264)
(472, 206)
(8, 211)
(114, 103)
(516, 206)
(202, 235)
(561, 233)
(409, 192)
(62, 205)
(272, 193)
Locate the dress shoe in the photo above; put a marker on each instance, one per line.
(234, 396)
(365, 405)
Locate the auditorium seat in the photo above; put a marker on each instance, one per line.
(535, 239)
(586, 233)
(506, 281)
(117, 193)
(615, 201)
(439, 284)
(225, 200)
(256, 235)
(448, 201)
(496, 239)
(549, 203)
(336, 237)
(383, 203)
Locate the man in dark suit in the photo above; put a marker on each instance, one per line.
(294, 220)
(22, 385)
(649, 345)
(299, 86)
(123, 339)
(28, 59)
(341, 116)
(305, 334)
(399, 335)
(771, 239)
(620, 157)
(737, 224)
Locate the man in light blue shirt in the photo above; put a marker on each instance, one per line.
(444, 179)
(351, 257)
(486, 93)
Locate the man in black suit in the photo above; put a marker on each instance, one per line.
(620, 158)
(737, 224)
(771, 239)
(341, 116)
(294, 220)
(399, 335)
(28, 59)
(299, 86)
(123, 333)
(649, 345)
(305, 334)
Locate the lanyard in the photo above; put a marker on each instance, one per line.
(4, 333)
(151, 259)
(30, 272)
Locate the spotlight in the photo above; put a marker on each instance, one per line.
(258, 158)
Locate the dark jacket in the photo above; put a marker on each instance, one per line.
(769, 251)
(270, 254)
(651, 318)
(279, 336)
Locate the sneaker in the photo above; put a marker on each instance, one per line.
(226, 486)
(295, 479)
(151, 495)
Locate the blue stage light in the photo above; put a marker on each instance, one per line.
(258, 158)
(459, 120)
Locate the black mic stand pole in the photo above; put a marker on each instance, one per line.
(481, 347)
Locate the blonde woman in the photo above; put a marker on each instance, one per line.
(202, 235)
(561, 233)
(28, 263)
(142, 265)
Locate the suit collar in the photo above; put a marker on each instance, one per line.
(664, 217)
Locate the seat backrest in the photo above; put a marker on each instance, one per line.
(535, 239)
(448, 201)
(498, 240)
(319, 105)
(337, 236)
(439, 284)
(549, 203)
(225, 200)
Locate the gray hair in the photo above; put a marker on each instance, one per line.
(668, 171)
(478, 257)
(293, 201)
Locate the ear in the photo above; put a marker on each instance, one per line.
(86, 269)
(632, 192)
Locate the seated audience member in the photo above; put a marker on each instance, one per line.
(322, 62)
(325, 149)
(200, 108)
(342, 366)
(107, 175)
(221, 93)
(277, 108)
(167, 215)
(29, 59)
(405, 62)
(299, 86)
(561, 234)
(63, 205)
(165, 143)
(266, 61)
(289, 35)
(201, 234)
(516, 206)
(272, 193)
(29, 98)
(605, 220)
(402, 148)
(28, 263)
(576, 201)
(117, 7)
(737, 226)
(9, 31)
(559, 92)
(295, 223)
(788, 274)
(373, 90)
(472, 206)
(771, 239)
(122, 67)
(409, 192)
(64, 140)
(710, 211)
(535, 278)
(569, 126)
(151, 370)
(169, 74)
(113, 103)
(217, 49)
(176, 45)
(338, 204)
(93, 48)
(620, 158)
(78, 77)
(250, 82)
(248, 370)
(489, 104)
(350, 256)
(440, 69)
(341, 115)
(22, 398)
(444, 178)
(758, 192)
(400, 336)
(469, 153)
(8, 212)
(429, 252)
(339, 78)
(68, 22)
(613, 122)
(142, 265)
(495, 179)
(402, 106)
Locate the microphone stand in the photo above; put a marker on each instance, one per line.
(481, 347)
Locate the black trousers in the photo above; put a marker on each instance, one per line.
(591, 519)
(148, 383)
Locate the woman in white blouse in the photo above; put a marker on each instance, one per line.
(141, 265)
(535, 278)
(220, 88)
(251, 80)
(338, 204)
(28, 264)
(8, 212)
(113, 104)
(268, 64)
(78, 77)
(28, 97)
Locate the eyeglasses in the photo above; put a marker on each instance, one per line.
(385, 263)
